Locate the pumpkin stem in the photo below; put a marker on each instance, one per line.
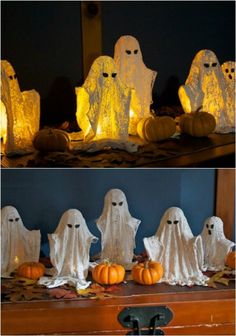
(198, 109)
(146, 263)
(107, 262)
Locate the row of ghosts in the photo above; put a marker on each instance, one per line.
(117, 93)
(182, 255)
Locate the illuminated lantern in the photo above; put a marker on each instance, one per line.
(20, 112)
(69, 251)
(216, 246)
(18, 245)
(228, 69)
(134, 73)
(206, 87)
(103, 103)
(179, 252)
(118, 229)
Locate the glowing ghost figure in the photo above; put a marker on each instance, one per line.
(18, 245)
(134, 73)
(175, 247)
(22, 112)
(69, 251)
(206, 87)
(103, 102)
(215, 244)
(228, 69)
(118, 229)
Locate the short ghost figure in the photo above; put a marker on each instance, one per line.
(20, 113)
(69, 251)
(118, 229)
(228, 69)
(205, 87)
(215, 244)
(175, 247)
(103, 103)
(18, 245)
(134, 73)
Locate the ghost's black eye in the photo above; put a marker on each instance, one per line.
(128, 52)
(114, 203)
(207, 226)
(11, 77)
(214, 64)
(176, 222)
(113, 75)
(135, 51)
(120, 204)
(212, 225)
(232, 70)
(16, 219)
(77, 226)
(206, 65)
(11, 220)
(169, 222)
(69, 225)
(226, 70)
(105, 74)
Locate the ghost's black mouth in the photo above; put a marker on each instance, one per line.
(230, 77)
(209, 232)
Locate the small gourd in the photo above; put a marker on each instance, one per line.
(156, 128)
(51, 140)
(108, 273)
(230, 259)
(147, 273)
(31, 270)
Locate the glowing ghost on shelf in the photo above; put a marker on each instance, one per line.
(69, 251)
(18, 245)
(175, 247)
(215, 244)
(206, 87)
(134, 73)
(118, 229)
(103, 103)
(228, 69)
(21, 112)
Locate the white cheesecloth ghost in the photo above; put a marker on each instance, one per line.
(228, 69)
(134, 73)
(20, 112)
(216, 246)
(118, 229)
(18, 245)
(103, 103)
(175, 247)
(69, 251)
(206, 87)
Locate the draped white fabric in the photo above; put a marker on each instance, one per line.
(118, 229)
(206, 87)
(228, 69)
(18, 245)
(175, 247)
(69, 251)
(215, 244)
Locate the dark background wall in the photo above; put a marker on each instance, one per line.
(42, 195)
(42, 40)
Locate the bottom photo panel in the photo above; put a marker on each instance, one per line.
(118, 251)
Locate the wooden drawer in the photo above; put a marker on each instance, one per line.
(196, 310)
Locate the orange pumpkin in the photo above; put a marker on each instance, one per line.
(51, 140)
(231, 259)
(147, 273)
(31, 270)
(108, 273)
(156, 128)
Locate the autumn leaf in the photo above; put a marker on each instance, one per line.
(219, 278)
(60, 293)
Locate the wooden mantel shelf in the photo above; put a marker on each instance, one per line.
(196, 311)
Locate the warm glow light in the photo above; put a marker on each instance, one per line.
(3, 122)
(16, 260)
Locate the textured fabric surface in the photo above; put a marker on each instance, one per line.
(175, 247)
(18, 245)
(118, 229)
(228, 69)
(215, 244)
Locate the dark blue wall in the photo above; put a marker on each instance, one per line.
(42, 195)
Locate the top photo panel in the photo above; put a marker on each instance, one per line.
(117, 84)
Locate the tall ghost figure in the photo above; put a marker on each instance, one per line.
(18, 245)
(103, 103)
(206, 87)
(69, 251)
(175, 247)
(134, 73)
(20, 112)
(215, 244)
(118, 229)
(228, 69)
